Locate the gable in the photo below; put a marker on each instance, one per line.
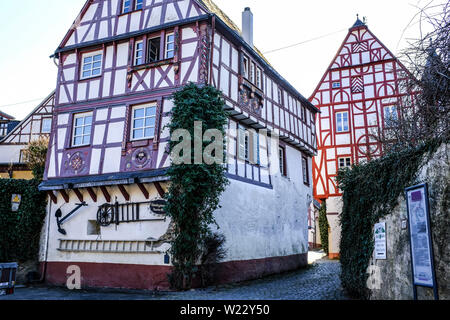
(102, 19)
(30, 127)
(360, 47)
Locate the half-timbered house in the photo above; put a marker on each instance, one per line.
(360, 96)
(36, 125)
(105, 175)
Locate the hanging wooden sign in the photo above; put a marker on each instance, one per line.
(157, 206)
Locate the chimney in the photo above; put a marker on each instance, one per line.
(247, 26)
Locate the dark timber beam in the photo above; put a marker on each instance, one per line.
(144, 190)
(105, 193)
(124, 192)
(64, 195)
(79, 194)
(92, 194)
(52, 197)
(159, 189)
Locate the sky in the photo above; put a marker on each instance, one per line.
(31, 31)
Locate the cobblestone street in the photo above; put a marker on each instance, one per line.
(319, 281)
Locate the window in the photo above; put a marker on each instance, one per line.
(92, 65)
(126, 6)
(139, 53)
(46, 125)
(336, 85)
(258, 78)
(390, 116)
(154, 47)
(342, 121)
(139, 4)
(246, 64)
(143, 122)
(304, 114)
(344, 162)
(305, 170)
(252, 73)
(280, 96)
(82, 129)
(170, 46)
(248, 146)
(282, 157)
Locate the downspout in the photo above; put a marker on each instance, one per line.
(44, 272)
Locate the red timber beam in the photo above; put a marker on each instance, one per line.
(144, 190)
(105, 193)
(79, 194)
(124, 192)
(92, 194)
(64, 195)
(159, 189)
(52, 197)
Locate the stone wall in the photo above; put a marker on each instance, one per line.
(395, 272)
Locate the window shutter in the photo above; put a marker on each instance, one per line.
(255, 147)
(241, 143)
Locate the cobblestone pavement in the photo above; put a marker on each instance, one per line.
(319, 281)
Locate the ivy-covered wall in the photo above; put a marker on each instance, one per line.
(371, 192)
(394, 273)
(20, 230)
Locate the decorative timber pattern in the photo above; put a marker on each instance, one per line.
(363, 82)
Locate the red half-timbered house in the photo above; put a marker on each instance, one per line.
(359, 96)
(105, 175)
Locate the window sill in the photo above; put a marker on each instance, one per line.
(152, 64)
(90, 78)
(78, 147)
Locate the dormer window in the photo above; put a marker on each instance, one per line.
(91, 65)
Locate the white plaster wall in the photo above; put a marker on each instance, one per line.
(10, 153)
(334, 205)
(76, 229)
(260, 222)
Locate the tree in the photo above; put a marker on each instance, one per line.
(35, 155)
(425, 112)
(195, 188)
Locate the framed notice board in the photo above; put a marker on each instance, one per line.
(422, 260)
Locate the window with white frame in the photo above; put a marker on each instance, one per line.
(248, 145)
(82, 127)
(390, 116)
(139, 4)
(280, 96)
(170, 46)
(258, 78)
(246, 67)
(143, 122)
(344, 162)
(342, 121)
(126, 6)
(154, 47)
(91, 65)
(252, 72)
(46, 125)
(139, 53)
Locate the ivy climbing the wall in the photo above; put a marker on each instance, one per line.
(323, 226)
(370, 192)
(20, 230)
(196, 186)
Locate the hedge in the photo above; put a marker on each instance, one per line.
(20, 231)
